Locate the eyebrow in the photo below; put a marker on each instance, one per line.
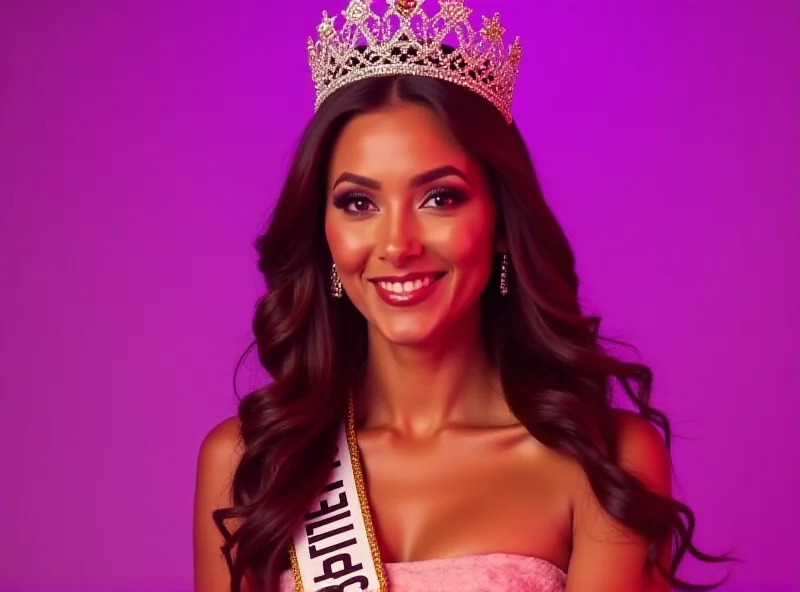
(416, 180)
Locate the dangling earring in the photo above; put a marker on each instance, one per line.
(336, 283)
(504, 275)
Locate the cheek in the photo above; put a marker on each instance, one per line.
(347, 243)
(468, 240)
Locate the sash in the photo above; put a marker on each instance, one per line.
(335, 548)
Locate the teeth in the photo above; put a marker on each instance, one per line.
(406, 287)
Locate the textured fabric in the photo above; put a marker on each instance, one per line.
(475, 573)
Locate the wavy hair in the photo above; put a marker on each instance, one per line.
(555, 372)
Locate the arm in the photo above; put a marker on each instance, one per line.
(606, 556)
(217, 460)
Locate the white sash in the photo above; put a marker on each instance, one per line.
(335, 549)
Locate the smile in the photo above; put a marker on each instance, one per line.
(406, 290)
(406, 287)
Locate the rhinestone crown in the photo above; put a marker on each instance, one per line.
(407, 41)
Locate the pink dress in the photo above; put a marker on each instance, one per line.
(475, 573)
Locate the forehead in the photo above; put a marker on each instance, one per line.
(397, 143)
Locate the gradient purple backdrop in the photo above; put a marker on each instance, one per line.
(143, 144)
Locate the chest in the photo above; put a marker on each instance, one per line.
(468, 495)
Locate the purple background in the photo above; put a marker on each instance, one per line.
(143, 144)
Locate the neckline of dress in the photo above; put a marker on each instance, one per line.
(515, 556)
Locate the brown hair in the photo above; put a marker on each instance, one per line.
(556, 376)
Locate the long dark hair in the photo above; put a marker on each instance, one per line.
(555, 372)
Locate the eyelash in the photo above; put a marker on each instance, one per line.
(344, 201)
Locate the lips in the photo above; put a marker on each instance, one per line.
(406, 290)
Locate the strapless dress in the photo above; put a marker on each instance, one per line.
(475, 573)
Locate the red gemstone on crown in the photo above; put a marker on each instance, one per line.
(405, 7)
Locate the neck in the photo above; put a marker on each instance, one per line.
(420, 390)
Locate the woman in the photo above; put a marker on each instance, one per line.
(440, 415)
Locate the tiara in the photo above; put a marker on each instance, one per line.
(407, 41)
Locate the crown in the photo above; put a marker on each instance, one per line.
(407, 41)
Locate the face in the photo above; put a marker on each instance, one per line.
(410, 223)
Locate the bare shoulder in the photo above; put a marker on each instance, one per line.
(607, 555)
(643, 451)
(222, 446)
(219, 455)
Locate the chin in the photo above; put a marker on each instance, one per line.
(408, 333)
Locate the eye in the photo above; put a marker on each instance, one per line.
(444, 197)
(354, 203)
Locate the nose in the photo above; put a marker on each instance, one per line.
(398, 237)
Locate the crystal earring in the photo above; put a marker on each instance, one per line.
(504, 275)
(336, 283)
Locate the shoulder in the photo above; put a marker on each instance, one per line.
(221, 449)
(607, 555)
(217, 459)
(223, 440)
(642, 451)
